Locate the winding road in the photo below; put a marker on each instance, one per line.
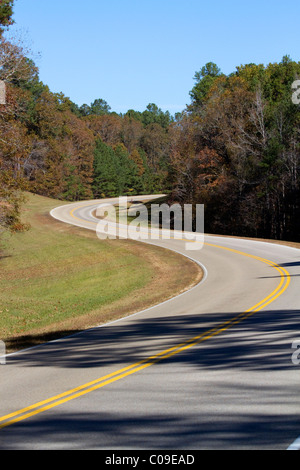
(209, 369)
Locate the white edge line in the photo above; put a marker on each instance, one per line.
(123, 318)
(204, 278)
(293, 447)
(296, 444)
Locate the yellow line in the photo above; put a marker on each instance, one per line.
(60, 399)
(77, 218)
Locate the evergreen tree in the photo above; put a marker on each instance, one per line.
(6, 13)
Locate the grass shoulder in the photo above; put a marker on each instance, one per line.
(58, 279)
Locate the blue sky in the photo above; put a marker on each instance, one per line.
(134, 52)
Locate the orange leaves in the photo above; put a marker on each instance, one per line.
(107, 127)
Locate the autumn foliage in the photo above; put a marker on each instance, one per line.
(235, 148)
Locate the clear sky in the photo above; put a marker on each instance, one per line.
(135, 52)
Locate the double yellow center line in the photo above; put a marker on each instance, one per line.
(82, 390)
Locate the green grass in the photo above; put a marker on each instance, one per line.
(56, 278)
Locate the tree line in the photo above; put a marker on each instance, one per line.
(235, 148)
(51, 146)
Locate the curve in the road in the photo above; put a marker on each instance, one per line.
(67, 214)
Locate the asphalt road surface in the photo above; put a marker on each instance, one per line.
(211, 369)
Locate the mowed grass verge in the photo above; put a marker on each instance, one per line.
(57, 279)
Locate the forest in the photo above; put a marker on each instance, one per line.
(235, 148)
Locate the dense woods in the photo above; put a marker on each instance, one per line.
(235, 148)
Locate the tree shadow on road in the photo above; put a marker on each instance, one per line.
(120, 430)
(233, 413)
(262, 342)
